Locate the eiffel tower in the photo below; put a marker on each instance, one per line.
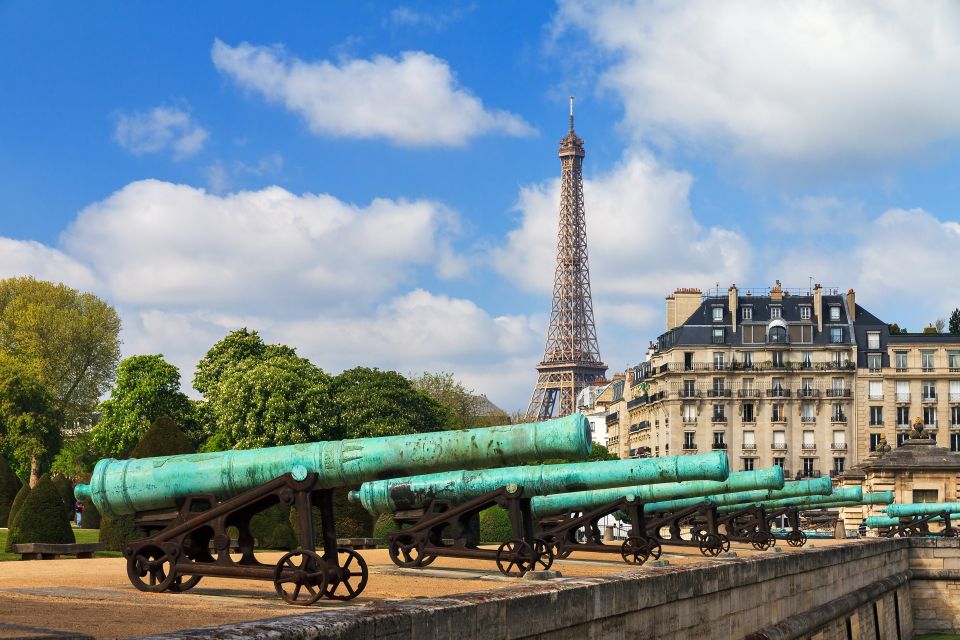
(571, 358)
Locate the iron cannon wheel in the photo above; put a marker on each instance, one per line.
(351, 565)
(290, 577)
(407, 552)
(635, 550)
(796, 538)
(762, 540)
(179, 585)
(655, 548)
(515, 558)
(711, 544)
(154, 563)
(544, 553)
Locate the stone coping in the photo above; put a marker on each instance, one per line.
(66, 549)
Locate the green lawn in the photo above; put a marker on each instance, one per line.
(82, 535)
(935, 636)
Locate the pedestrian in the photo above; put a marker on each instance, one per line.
(78, 508)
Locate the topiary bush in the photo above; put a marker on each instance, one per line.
(352, 520)
(163, 438)
(271, 529)
(280, 537)
(9, 487)
(65, 489)
(495, 526)
(41, 517)
(90, 518)
(115, 533)
(18, 502)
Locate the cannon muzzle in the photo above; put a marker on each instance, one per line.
(771, 478)
(415, 492)
(120, 487)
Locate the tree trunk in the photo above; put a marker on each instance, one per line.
(34, 471)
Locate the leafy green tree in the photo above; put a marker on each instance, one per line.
(955, 322)
(41, 518)
(280, 399)
(147, 388)
(896, 329)
(371, 403)
(238, 346)
(69, 340)
(76, 458)
(464, 409)
(30, 423)
(9, 486)
(163, 438)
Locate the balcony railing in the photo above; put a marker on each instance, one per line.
(778, 418)
(808, 419)
(903, 427)
(806, 392)
(749, 393)
(838, 419)
(749, 419)
(749, 446)
(929, 398)
(903, 397)
(689, 446)
(810, 473)
(955, 397)
(689, 393)
(689, 419)
(808, 446)
(779, 446)
(778, 393)
(719, 393)
(838, 393)
(874, 396)
(716, 419)
(719, 446)
(838, 446)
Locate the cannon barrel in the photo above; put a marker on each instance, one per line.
(841, 497)
(414, 492)
(922, 508)
(120, 487)
(771, 478)
(814, 486)
(886, 521)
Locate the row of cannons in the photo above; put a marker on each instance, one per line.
(921, 519)
(187, 506)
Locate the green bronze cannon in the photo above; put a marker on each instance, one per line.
(840, 495)
(913, 519)
(187, 505)
(570, 522)
(436, 509)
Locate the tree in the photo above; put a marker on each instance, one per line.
(236, 347)
(940, 324)
(9, 487)
(163, 438)
(896, 329)
(29, 422)
(41, 518)
(69, 340)
(281, 399)
(955, 322)
(463, 407)
(372, 403)
(147, 388)
(76, 457)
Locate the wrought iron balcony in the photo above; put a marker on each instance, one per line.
(808, 446)
(838, 446)
(807, 392)
(689, 446)
(778, 393)
(954, 397)
(838, 393)
(929, 399)
(719, 446)
(838, 419)
(903, 397)
(749, 446)
(719, 393)
(808, 419)
(716, 419)
(749, 393)
(779, 446)
(689, 393)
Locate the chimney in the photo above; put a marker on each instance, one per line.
(776, 293)
(818, 306)
(681, 304)
(851, 305)
(732, 304)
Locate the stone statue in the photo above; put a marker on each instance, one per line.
(882, 446)
(918, 432)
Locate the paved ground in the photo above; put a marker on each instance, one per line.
(95, 597)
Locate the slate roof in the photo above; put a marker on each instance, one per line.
(912, 454)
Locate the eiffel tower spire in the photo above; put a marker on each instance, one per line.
(571, 357)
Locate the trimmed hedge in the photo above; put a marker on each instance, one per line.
(18, 503)
(352, 520)
(163, 438)
(9, 487)
(90, 518)
(495, 526)
(65, 489)
(272, 530)
(41, 517)
(115, 533)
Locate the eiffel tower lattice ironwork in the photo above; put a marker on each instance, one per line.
(571, 358)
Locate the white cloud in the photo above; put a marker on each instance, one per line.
(815, 83)
(29, 258)
(437, 20)
(159, 243)
(160, 129)
(413, 100)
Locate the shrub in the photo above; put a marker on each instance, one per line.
(90, 518)
(352, 520)
(163, 438)
(115, 533)
(41, 517)
(384, 525)
(280, 537)
(268, 525)
(9, 487)
(65, 489)
(18, 502)
(495, 526)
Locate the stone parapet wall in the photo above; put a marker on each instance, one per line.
(935, 584)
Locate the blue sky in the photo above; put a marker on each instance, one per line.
(376, 183)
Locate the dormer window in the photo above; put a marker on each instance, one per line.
(805, 312)
(775, 312)
(834, 312)
(718, 314)
(748, 313)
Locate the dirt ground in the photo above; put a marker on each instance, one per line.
(96, 598)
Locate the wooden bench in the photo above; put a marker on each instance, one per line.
(44, 551)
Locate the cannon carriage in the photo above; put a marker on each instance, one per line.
(912, 520)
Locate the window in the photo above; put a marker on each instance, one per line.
(806, 412)
(874, 361)
(901, 360)
(955, 416)
(748, 313)
(718, 314)
(780, 439)
(747, 359)
(839, 439)
(778, 335)
(834, 312)
(836, 413)
(808, 442)
(804, 312)
(873, 339)
(901, 438)
(838, 465)
(876, 416)
(718, 335)
(926, 360)
(748, 440)
(836, 385)
(929, 390)
(718, 360)
(840, 359)
(806, 387)
(718, 386)
(688, 440)
(955, 391)
(689, 412)
(929, 416)
(748, 464)
(955, 442)
(718, 415)
(748, 386)
(776, 358)
(754, 334)
(688, 361)
(926, 495)
(777, 414)
(903, 416)
(775, 312)
(875, 390)
(689, 388)
(903, 391)
(779, 462)
(953, 360)
(806, 359)
(836, 335)
(777, 387)
(874, 441)
(748, 415)
(808, 467)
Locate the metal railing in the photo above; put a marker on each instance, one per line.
(751, 446)
(779, 446)
(903, 397)
(719, 446)
(838, 446)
